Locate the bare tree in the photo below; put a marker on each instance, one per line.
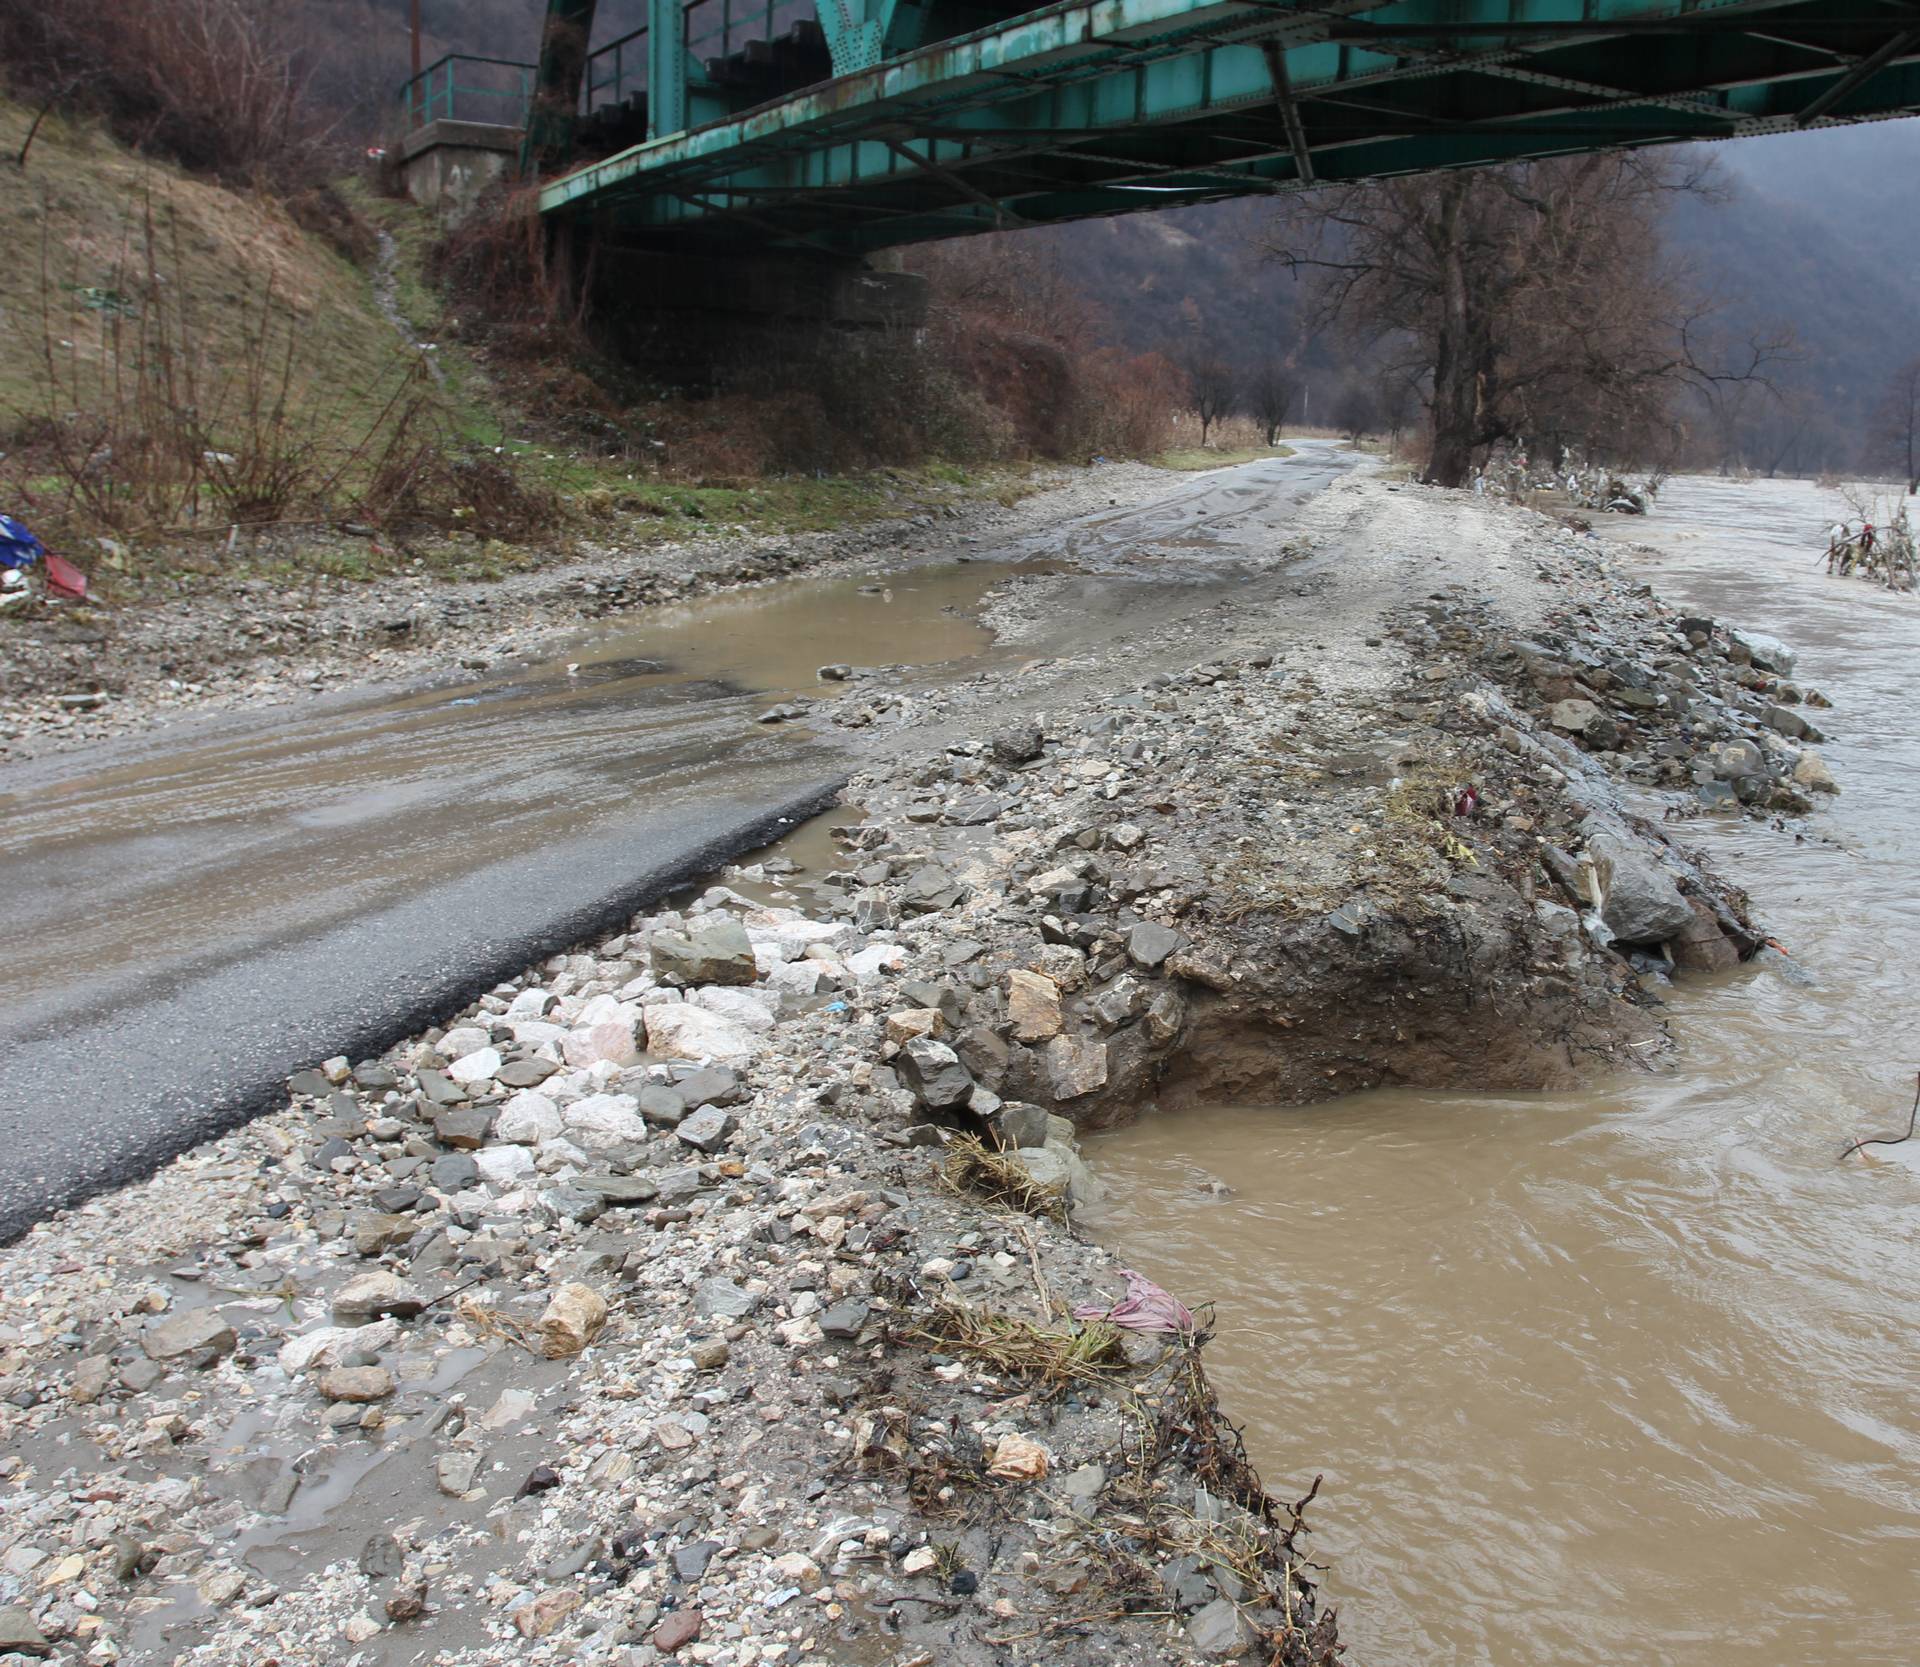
(1534, 295)
(1356, 410)
(1271, 388)
(1212, 383)
(1396, 399)
(1896, 425)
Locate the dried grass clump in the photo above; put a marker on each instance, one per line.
(1000, 1178)
(1019, 1348)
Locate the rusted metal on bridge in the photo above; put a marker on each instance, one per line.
(928, 120)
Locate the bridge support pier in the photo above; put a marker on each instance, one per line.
(705, 321)
(447, 164)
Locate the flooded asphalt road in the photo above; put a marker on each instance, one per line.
(1623, 1374)
(190, 915)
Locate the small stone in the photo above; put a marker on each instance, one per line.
(1642, 904)
(1033, 1005)
(1021, 1124)
(796, 1569)
(690, 1561)
(1812, 773)
(711, 1085)
(605, 1122)
(440, 1090)
(621, 1192)
(933, 1071)
(374, 1233)
(527, 1119)
(201, 1332)
(369, 1295)
(678, 1630)
(904, 1026)
(1019, 1458)
(407, 1602)
(20, 1633)
(525, 1073)
(717, 951)
(1021, 744)
(454, 1472)
(681, 1030)
(381, 1557)
(571, 1320)
(540, 1617)
(930, 888)
(1083, 1486)
(710, 1354)
(1217, 1632)
(1149, 943)
(464, 1128)
(662, 1106)
(707, 1129)
(354, 1383)
(845, 1319)
(478, 1066)
(504, 1166)
(1075, 1066)
(90, 1379)
(221, 1587)
(453, 1173)
(721, 1299)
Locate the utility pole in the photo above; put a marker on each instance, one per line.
(416, 39)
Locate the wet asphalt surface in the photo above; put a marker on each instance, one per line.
(193, 914)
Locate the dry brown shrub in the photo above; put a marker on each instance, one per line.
(215, 85)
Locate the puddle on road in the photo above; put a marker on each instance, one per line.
(284, 825)
(1623, 1375)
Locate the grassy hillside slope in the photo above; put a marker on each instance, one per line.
(89, 227)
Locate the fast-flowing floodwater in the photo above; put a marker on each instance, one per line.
(1630, 1374)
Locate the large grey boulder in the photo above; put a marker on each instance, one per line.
(1641, 902)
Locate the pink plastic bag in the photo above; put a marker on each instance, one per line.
(1145, 1307)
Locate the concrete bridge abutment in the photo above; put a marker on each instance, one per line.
(706, 321)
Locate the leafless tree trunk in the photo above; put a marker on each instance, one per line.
(1896, 429)
(1270, 393)
(1534, 296)
(1214, 386)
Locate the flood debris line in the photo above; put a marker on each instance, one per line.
(1881, 548)
(89, 670)
(713, 1292)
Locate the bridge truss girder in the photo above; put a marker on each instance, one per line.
(1100, 108)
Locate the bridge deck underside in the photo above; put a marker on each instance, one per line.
(1082, 110)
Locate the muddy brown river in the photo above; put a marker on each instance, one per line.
(1629, 1374)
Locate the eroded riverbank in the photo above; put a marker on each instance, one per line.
(1621, 1372)
(831, 1404)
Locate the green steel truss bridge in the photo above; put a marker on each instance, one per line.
(846, 126)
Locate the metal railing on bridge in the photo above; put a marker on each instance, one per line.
(460, 87)
(735, 42)
(726, 37)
